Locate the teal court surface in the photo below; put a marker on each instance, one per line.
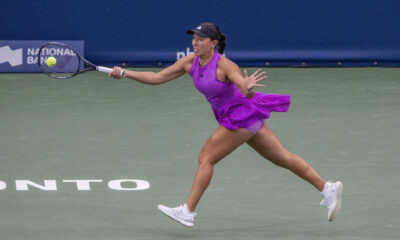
(91, 158)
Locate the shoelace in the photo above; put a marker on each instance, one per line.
(324, 201)
(178, 209)
(181, 210)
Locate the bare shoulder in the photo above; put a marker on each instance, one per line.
(227, 65)
(180, 67)
(186, 62)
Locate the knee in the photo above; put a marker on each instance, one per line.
(205, 161)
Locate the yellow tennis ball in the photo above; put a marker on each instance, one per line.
(51, 61)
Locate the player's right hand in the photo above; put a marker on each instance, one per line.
(117, 73)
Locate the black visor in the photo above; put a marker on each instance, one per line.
(205, 30)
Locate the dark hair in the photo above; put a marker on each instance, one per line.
(221, 38)
(221, 43)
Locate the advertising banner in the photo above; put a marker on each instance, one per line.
(22, 55)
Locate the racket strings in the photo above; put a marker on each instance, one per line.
(67, 61)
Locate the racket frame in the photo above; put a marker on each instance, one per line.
(87, 65)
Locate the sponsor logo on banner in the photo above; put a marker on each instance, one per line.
(22, 55)
(180, 55)
(12, 57)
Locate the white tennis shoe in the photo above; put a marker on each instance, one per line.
(332, 198)
(180, 214)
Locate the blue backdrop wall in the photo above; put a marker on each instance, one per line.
(153, 32)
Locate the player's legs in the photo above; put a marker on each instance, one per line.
(221, 143)
(267, 144)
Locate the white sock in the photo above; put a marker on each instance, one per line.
(325, 187)
(186, 210)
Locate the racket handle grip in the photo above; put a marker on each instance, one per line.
(104, 69)
(107, 70)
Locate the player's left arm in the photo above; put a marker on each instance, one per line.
(246, 84)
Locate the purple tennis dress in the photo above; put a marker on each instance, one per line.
(231, 108)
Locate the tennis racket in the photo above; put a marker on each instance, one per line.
(68, 62)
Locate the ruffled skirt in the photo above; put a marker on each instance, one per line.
(240, 112)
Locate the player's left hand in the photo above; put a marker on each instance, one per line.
(252, 81)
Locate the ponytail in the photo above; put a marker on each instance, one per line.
(221, 44)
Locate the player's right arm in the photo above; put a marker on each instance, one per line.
(174, 71)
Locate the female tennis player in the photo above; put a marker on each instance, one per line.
(240, 112)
